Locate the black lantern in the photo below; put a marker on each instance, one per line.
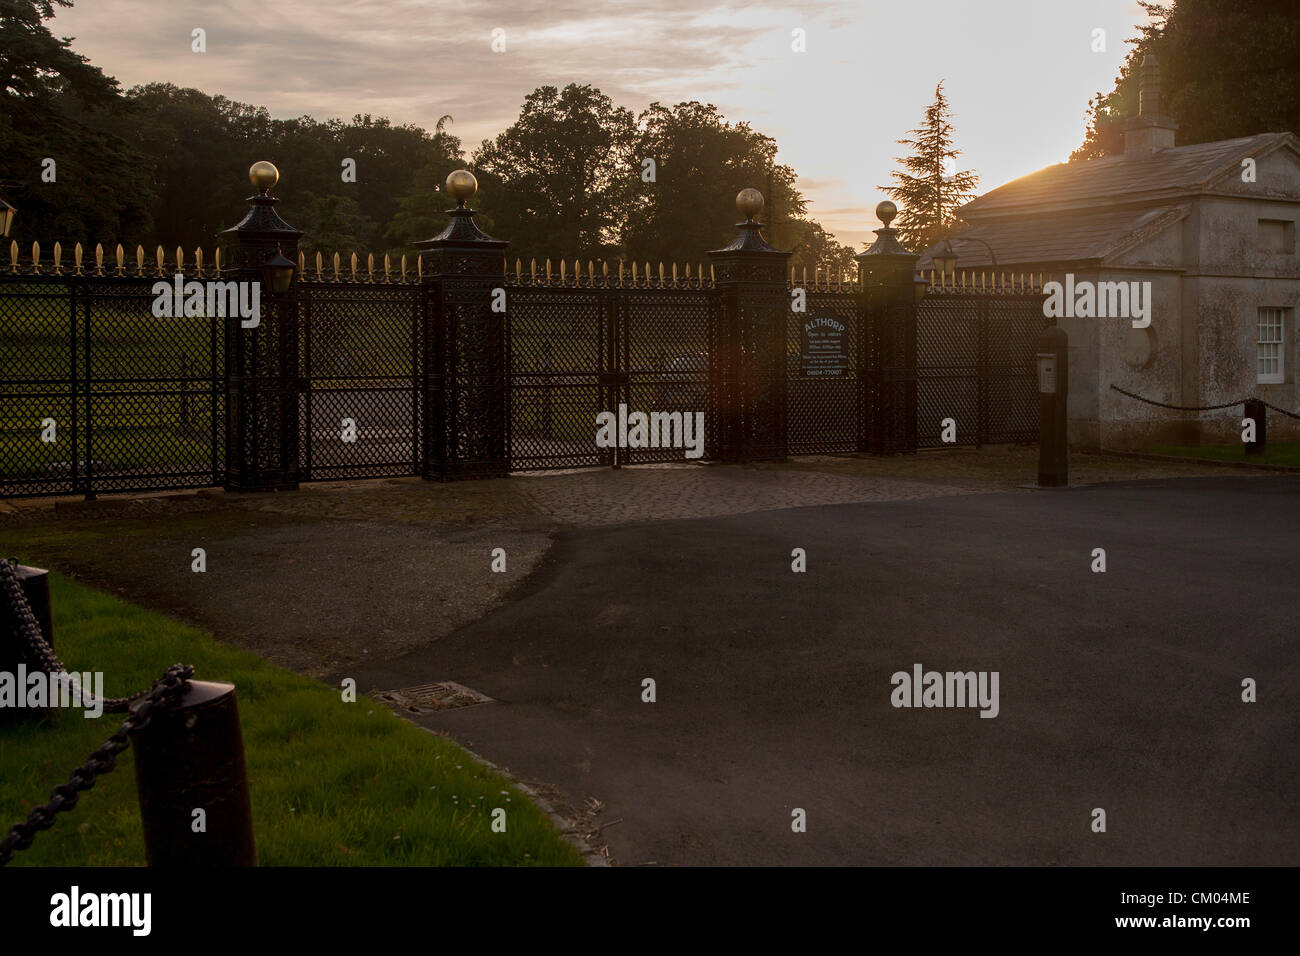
(920, 287)
(277, 273)
(7, 213)
(945, 262)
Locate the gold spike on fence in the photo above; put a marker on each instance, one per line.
(13, 256)
(403, 268)
(58, 251)
(562, 269)
(388, 268)
(99, 259)
(370, 266)
(353, 263)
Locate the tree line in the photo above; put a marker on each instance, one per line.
(1226, 71)
(575, 176)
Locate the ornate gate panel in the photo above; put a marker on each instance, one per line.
(360, 405)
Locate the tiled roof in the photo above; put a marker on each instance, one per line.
(1058, 238)
(1166, 174)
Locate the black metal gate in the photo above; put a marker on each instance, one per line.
(98, 394)
(975, 366)
(825, 393)
(361, 401)
(579, 350)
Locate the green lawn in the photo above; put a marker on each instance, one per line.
(333, 783)
(1275, 453)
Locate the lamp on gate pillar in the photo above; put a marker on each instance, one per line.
(891, 292)
(7, 213)
(262, 351)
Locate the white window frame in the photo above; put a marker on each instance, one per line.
(1270, 345)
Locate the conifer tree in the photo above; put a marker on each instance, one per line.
(929, 189)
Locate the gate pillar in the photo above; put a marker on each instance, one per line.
(748, 371)
(891, 291)
(262, 350)
(466, 369)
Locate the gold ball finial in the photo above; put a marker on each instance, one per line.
(750, 202)
(461, 185)
(885, 212)
(263, 175)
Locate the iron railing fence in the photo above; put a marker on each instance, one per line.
(98, 394)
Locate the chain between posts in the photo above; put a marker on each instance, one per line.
(64, 797)
(1204, 408)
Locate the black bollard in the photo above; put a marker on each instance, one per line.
(1053, 362)
(36, 586)
(191, 757)
(1256, 410)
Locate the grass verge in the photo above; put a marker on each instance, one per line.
(333, 783)
(1275, 453)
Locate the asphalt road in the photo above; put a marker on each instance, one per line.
(1118, 690)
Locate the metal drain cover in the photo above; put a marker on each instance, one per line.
(443, 695)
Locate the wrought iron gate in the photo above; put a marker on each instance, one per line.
(98, 395)
(361, 402)
(975, 366)
(580, 349)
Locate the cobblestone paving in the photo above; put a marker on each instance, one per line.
(693, 491)
(604, 496)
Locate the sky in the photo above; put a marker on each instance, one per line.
(1018, 73)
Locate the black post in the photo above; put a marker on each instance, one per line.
(1051, 348)
(750, 341)
(889, 298)
(262, 361)
(36, 588)
(1256, 410)
(466, 372)
(190, 758)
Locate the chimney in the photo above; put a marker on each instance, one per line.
(1150, 131)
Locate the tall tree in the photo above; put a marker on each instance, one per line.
(1225, 72)
(558, 181)
(700, 162)
(815, 248)
(929, 189)
(72, 175)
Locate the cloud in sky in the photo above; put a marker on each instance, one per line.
(1018, 72)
